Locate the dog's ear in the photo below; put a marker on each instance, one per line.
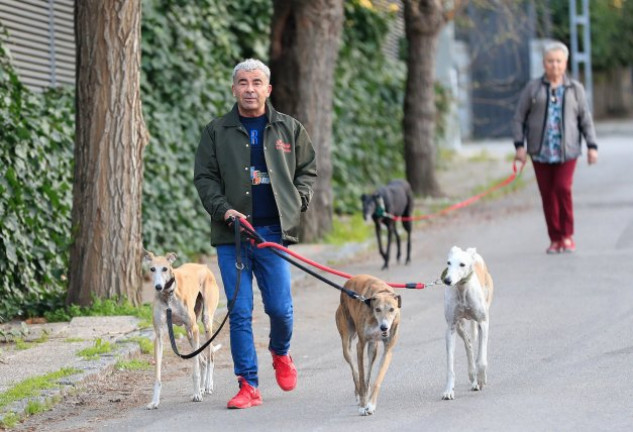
(471, 251)
(171, 257)
(399, 299)
(147, 256)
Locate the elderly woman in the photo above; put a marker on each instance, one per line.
(551, 117)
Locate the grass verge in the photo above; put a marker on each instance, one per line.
(30, 388)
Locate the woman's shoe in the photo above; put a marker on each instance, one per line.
(554, 248)
(569, 245)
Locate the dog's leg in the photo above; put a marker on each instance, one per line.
(347, 332)
(482, 356)
(388, 246)
(158, 360)
(363, 395)
(407, 228)
(383, 254)
(193, 334)
(468, 345)
(208, 365)
(397, 236)
(372, 353)
(449, 393)
(385, 361)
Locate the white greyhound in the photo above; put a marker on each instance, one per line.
(467, 296)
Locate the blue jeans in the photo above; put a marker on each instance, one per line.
(273, 278)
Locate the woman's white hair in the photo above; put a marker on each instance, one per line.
(555, 46)
(251, 65)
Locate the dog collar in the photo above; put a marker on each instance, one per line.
(467, 278)
(169, 283)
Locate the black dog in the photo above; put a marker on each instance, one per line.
(394, 199)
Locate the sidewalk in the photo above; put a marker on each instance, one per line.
(476, 164)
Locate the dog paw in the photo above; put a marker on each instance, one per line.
(366, 411)
(482, 380)
(197, 397)
(152, 405)
(448, 395)
(475, 387)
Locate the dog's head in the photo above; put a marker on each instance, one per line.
(459, 265)
(162, 270)
(372, 206)
(385, 308)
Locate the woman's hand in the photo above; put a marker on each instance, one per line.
(592, 156)
(521, 155)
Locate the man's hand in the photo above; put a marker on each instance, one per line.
(231, 215)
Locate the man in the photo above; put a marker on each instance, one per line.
(258, 164)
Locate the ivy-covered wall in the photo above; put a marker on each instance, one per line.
(188, 53)
(36, 151)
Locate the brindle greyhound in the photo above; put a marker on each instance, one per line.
(394, 199)
(372, 321)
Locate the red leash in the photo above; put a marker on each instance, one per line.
(467, 201)
(249, 229)
(411, 285)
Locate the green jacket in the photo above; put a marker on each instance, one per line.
(222, 171)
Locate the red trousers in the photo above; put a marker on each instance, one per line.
(554, 183)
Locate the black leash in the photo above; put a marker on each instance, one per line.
(240, 266)
(258, 239)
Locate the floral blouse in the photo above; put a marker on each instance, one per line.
(551, 150)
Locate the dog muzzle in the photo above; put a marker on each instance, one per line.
(384, 331)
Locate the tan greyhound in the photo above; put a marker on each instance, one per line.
(191, 292)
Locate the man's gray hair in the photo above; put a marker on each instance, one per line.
(251, 65)
(555, 46)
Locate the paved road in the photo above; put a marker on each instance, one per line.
(561, 344)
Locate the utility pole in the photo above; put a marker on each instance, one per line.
(577, 57)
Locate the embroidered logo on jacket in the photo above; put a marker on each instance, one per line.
(280, 145)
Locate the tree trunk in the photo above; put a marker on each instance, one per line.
(305, 38)
(423, 21)
(105, 257)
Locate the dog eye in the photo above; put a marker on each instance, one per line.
(391, 310)
(462, 265)
(377, 309)
(153, 269)
(448, 262)
(164, 269)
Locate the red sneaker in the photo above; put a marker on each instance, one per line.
(568, 245)
(285, 371)
(554, 248)
(247, 397)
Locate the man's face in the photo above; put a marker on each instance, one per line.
(555, 64)
(251, 89)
